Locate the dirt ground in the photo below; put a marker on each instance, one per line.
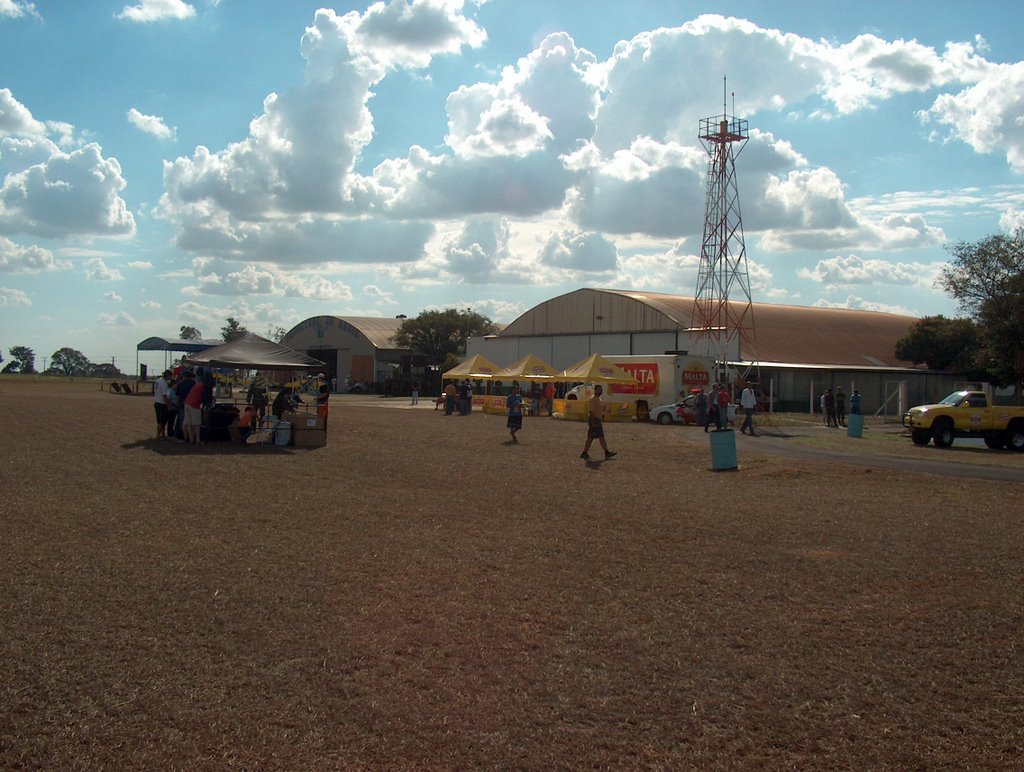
(420, 594)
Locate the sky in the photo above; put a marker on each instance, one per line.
(173, 162)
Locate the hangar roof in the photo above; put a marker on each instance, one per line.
(379, 330)
(792, 334)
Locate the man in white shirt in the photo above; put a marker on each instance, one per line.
(160, 390)
(748, 401)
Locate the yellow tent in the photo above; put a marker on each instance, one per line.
(474, 367)
(529, 368)
(597, 369)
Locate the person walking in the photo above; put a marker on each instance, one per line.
(514, 403)
(595, 425)
(449, 398)
(748, 401)
(323, 403)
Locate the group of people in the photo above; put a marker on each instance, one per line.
(185, 404)
(595, 419)
(713, 407)
(833, 406)
(458, 397)
(179, 403)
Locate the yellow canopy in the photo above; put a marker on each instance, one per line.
(597, 369)
(529, 368)
(474, 367)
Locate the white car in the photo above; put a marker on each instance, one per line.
(684, 412)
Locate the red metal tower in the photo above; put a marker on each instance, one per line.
(723, 311)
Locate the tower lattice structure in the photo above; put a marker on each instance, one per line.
(723, 312)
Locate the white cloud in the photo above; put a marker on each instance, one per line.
(156, 10)
(32, 259)
(215, 277)
(112, 297)
(400, 33)
(1011, 220)
(49, 193)
(120, 319)
(842, 271)
(14, 9)
(15, 118)
(151, 124)
(139, 265)
(13, 297)
(151, 305)
(97, 270)
(860, 304)
(987, 116)
(588, 253)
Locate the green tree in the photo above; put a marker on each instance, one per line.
(941, 344)
(189, 333)
(440, 333)
(23, 360)
(275, 333)
(70, 362)
(233, 329)
(986, 278)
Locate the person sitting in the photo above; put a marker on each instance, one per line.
(244, 425)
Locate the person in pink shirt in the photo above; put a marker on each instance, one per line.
(193, 413)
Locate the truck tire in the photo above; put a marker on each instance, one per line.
(665, 418)
(643, 410)
(994, 441)
(920, 436)
(1015, 436)
(942, 433)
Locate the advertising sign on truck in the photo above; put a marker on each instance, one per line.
(661, 378)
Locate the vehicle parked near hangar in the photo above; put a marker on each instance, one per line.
(966, 414)
(684, 411)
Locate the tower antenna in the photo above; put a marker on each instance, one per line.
(723, 316)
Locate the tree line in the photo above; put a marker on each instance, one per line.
(986, 278)
(71, 362)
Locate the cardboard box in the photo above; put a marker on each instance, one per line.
(304, 420)
(308, 438)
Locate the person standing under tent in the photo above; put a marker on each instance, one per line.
(160, 404)
(549, 397)
(193, 423)
(595, 425)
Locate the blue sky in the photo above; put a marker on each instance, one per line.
(167, 162)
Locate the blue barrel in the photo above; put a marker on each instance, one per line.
(723, 450)
(854, 425)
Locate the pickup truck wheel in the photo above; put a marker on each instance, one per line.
(1015, 436)
(920, 436)
(994, 441)
(664, 418)
(942, 434)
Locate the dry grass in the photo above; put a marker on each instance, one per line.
(419, 594)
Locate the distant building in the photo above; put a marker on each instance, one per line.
(360, 348)
(799, 350)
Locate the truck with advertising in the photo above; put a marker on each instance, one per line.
(661, 379)
(966, 414)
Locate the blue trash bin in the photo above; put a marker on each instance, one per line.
(723, 450)
(854, 425)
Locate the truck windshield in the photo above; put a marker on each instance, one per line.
(954, 399)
